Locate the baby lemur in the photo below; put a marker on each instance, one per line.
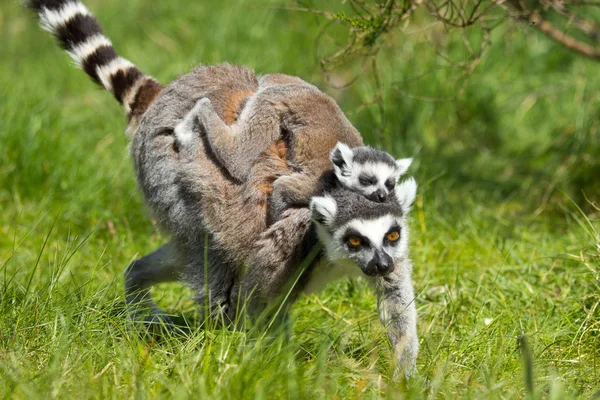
(309, 122)
(199, 202)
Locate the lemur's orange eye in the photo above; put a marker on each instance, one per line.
(354, 241)
(393, 236)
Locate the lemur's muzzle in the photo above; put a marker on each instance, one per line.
(379, 196)
(380, 265)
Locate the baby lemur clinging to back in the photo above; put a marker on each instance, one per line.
(309, 122)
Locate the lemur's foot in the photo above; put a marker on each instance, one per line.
(205, 112)
(188, 131)
(158, 324)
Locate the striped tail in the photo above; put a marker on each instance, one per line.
(80, 34)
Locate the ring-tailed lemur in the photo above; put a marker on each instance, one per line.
(153, 113)
(358, 236)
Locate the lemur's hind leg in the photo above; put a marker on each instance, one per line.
(238, 146)
(212, 275)
(187, 132)
(271, 267)
(159, 266)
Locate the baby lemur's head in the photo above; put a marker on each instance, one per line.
(372, 235)
(370, 172)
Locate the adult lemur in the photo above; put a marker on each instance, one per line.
(192, 194)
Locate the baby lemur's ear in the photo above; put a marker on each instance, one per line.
(341, 157)
(323, 209)
(402, 166)
(406, 193)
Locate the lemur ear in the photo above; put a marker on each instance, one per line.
(341, 157)
(402, 166)
(323, 209)
(406, 193)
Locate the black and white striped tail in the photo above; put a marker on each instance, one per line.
(80, 34)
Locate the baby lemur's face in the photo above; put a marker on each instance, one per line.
(372, 235)
(370, 172)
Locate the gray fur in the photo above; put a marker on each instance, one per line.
(163, 265)
(308, 121)
(366, 154)
(286, 108)
(216, 217)
(230, 210)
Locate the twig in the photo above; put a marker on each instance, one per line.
(535, 19)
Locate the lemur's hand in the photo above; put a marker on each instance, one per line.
(288, 191)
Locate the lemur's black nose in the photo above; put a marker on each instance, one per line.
(381, 264)
(379, 196)
(384, 268)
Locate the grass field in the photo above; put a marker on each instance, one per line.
(505, 244)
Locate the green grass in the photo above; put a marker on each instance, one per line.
(504, 242)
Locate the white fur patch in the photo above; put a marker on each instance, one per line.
(51, 20)
(249, 107)
(325, 207)
(105, 72)
(402, 166)
(374, 229)
(344, 151)
(406, 193)
(381, 171)
(82, 51)
(184, 131)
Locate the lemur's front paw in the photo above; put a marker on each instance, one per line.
(405, 351)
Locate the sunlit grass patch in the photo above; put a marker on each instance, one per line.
(504, 232)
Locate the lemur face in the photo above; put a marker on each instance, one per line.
(370, 172)
(373, 236)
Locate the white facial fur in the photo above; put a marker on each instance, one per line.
(377, 173)
(374, 180)
(374, 231)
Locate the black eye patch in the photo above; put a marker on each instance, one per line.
(367, 180)
(387, 239)
(390, 183)
(351, 233)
